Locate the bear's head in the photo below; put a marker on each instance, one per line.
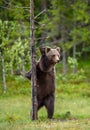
(53, 55)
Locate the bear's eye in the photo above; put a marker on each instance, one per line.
(53, 55)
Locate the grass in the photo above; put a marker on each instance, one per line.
(50, 125)
(14, 114)
(72, 111)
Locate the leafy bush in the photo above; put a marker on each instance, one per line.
(72, 62)
(72, 78)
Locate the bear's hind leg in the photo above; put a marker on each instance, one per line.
(40, 104)
(49, 104)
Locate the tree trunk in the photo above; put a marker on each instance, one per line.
(11, 68)
(23, 66)
(44, 4)
(85, 55)
(43, 35)
(3, 74)
(64, 63)
(74, 57)
(64, 52)
(74, 40)
(33, 63)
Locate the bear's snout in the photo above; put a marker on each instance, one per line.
(56, 59)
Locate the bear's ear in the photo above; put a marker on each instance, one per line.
(58, 49)
(42, 50)
(47, 49)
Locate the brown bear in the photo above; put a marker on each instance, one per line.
(45, 73)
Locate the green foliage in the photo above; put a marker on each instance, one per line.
(86, 49)
(73, 78)
(79, 76)
(16, 85)
(72, 62)
(59, 24)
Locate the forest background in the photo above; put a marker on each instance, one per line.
(63, 23)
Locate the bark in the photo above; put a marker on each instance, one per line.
(12, 71)
(43, 35)
(74, 57)
(23, 65)
(85, 55)
(74, 41)
(44, 4)
(3, 74)
(11, 67)
(64, 52)
(64, 63)
(33, 63)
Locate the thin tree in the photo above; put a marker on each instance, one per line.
(74, 40)
(33, 63)
(3, 73)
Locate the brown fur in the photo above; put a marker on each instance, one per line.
(45, 70)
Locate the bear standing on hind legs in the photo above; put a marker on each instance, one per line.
(45, 73)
